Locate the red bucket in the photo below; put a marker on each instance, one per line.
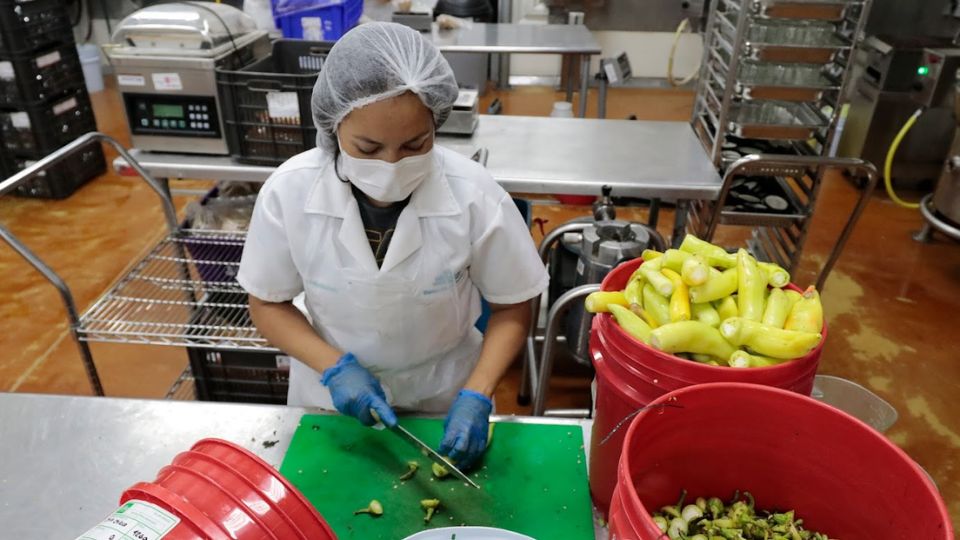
(631, 374)
(220, 490)
(790, 451)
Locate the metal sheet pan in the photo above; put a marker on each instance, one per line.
(820, 10)
(776, 120)
(785, 82)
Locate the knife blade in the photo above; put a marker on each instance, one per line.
(431, 454)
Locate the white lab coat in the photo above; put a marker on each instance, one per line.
(410, 322)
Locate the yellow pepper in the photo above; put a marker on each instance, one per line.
(599, 301)
(650, 254)
(717, 287)
(680, 299)
(705, 313)
(807, 313)
(695, 271)
(778, 307)
(656, 305)
(714, 255)
(632, 293)
(631, 323)
(751, 287)
(708, 359)
(651, 272)
(674, 259)
(768, 341)
(792, 298)
(727, 308)
(691, 337)
(644, 314)
(743, 359)
(775, 274)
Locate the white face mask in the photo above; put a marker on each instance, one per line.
(383, 181)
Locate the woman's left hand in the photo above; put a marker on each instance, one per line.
(465, 429)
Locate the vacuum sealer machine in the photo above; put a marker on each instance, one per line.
(165, 58)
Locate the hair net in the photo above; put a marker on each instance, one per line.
(377, 61)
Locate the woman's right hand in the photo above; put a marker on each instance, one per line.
(355, 392)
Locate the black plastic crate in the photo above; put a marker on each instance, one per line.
(65, 177)
(266, 105)
(39, 76)
(34, 25)
(41, 127)
(240, 376)
(231, 375)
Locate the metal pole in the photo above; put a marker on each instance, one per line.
(679, 222)
(65, 295)
(602, 98)
(568, 63)
(550, 336)
(872, 177)
(529, 376)
(11, 183)
(584, 83)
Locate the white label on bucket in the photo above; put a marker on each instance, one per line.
(283, 361)
(6, 71)
(65, 106)
(48, 59)
(166, 81)
(135, 520)
(131, 80)
(312, 28)
(283, 105)
(19, 120)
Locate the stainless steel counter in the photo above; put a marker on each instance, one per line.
(517, 38)
(572, 41)
(536, 155)
(64, 461)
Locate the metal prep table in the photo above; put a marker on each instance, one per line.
(65, 461)
(569, 40)
(540, 155)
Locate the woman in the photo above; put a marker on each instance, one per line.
(393, 241)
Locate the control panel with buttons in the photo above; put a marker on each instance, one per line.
(187, 116)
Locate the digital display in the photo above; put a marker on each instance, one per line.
(168, 111)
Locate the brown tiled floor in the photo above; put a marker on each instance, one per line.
(891, 302)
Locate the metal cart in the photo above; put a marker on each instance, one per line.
(176, 295)
(771, 85)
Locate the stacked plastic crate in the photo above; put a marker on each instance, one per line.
(43, 100)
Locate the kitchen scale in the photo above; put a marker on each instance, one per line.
(165, 57)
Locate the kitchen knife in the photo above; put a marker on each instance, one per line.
(426, 450)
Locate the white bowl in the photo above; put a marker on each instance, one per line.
(468, 533)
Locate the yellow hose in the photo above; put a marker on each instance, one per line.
(888, 163)
(673, 53)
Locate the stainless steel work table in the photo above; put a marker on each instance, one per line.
(539, 155)
(64, 461)
(569, 40)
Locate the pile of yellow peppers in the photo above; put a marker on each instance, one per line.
(715, 307)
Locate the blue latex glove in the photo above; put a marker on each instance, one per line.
(355, 391)
(465, 429)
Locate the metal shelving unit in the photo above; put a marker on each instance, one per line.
(181, 293)
(164, 299)
(771, 82)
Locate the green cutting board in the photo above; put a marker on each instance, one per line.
(533, 479)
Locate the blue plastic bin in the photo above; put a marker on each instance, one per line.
(526, 210)
(327, 21)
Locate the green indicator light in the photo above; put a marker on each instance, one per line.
(923, 70)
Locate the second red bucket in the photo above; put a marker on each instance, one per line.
(631, 374)
(216, 490)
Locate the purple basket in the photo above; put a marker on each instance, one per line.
(215, 256)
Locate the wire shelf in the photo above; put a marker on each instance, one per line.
(183, 293)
